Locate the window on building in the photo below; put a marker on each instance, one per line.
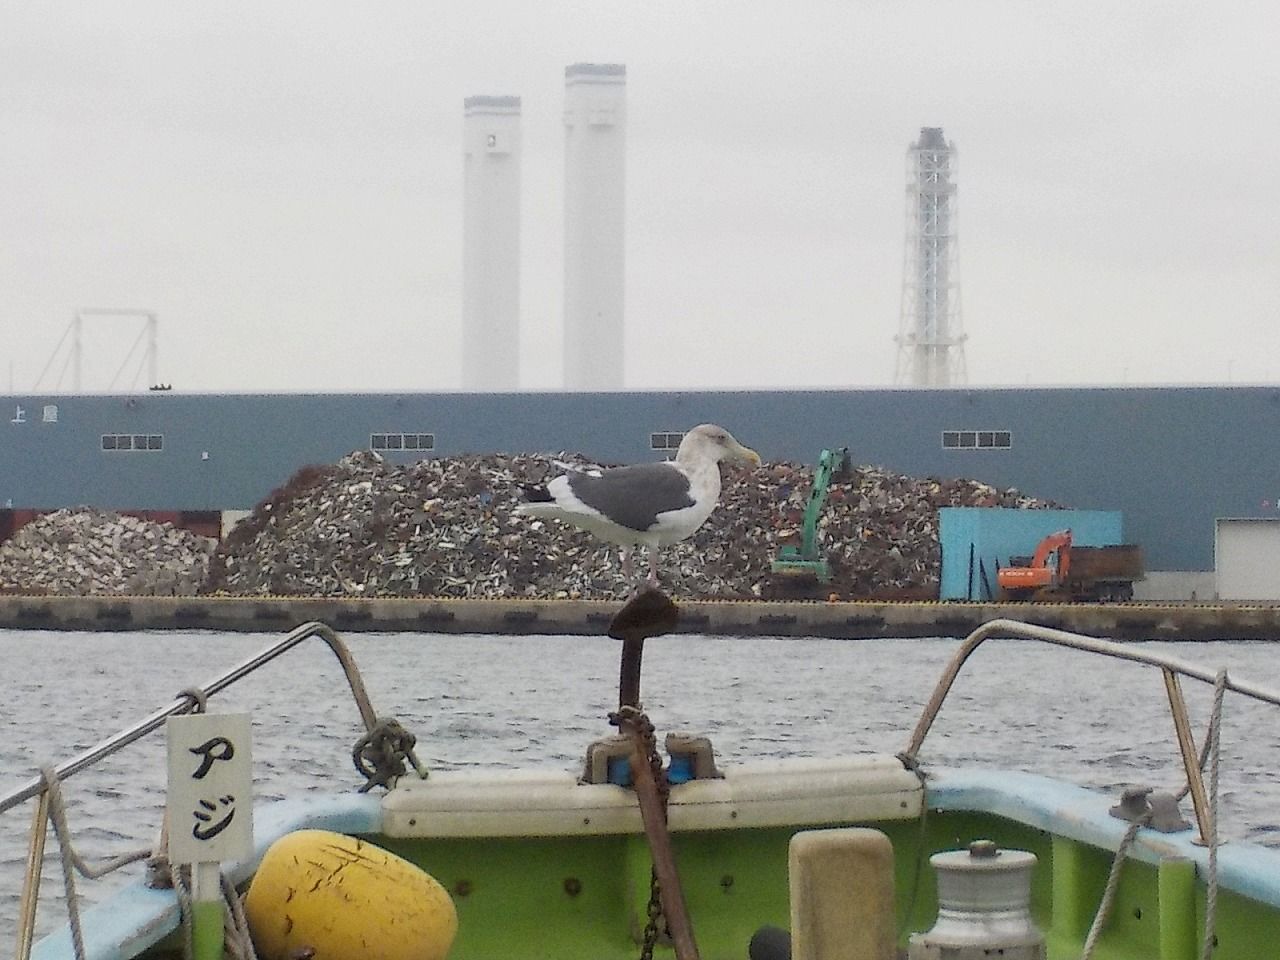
(133, 441)
(402, 441)
(976, 440)
(665, 441)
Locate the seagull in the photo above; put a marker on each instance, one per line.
(649, 504)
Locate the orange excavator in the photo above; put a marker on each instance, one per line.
(1060, 571)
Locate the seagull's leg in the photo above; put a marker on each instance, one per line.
(628, 569)
(653, 566)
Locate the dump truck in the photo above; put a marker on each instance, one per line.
(1060, 570)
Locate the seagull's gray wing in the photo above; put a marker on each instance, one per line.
(633, 497)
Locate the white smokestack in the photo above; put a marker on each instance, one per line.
(491, 244)
(594, 230)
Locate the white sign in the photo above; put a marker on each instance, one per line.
(210, 787)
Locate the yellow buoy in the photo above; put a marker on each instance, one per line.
(346, 898)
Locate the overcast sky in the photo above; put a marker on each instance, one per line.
(281, 184)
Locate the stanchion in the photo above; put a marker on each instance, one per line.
(650, 614)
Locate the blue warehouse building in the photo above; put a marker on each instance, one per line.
(1175, 461)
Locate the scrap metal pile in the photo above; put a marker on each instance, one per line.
(86, 551)
(445, 527)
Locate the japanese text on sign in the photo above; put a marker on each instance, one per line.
(210, 801)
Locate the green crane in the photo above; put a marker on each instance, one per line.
(804, 561)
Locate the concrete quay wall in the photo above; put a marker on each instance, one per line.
(852, 620)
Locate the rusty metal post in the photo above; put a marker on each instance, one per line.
(650, 614)
(629, 675)
(653, 813)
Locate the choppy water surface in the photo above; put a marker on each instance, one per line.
(516, 701)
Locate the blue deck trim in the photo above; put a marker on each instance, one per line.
(1076, 813)
(137, 917)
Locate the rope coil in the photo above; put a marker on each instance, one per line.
(380, 755)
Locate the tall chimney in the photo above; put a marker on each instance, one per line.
(594, 225)
(491, 244)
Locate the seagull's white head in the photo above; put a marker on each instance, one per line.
(708, 441)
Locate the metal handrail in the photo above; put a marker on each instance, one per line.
(185, 702)
(1171, 667)
(188, 700)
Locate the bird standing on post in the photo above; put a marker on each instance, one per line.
(649, 504)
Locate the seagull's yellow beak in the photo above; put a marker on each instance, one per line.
(747, 454)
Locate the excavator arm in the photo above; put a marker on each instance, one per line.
(1059, 543)
(806, 559)
(1019, 581)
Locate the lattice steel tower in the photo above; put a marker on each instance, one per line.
(930, 340)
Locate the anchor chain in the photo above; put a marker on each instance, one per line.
(633, 720)
(657, 923)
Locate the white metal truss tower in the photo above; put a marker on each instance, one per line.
(930, 339)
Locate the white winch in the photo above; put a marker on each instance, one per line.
(984, 905)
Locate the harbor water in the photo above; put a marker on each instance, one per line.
(477, 701)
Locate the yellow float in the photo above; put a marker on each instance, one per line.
(346, 898)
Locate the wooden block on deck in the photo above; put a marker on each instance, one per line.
(842, 904)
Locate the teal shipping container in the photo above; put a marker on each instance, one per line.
(977, 541)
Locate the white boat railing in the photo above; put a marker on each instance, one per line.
(186, 702)
(1171, 667)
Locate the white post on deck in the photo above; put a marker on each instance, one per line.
(210, 811)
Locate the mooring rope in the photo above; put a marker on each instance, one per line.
(236, 937)
(237, 942)
(380, 755)
(182, 888)
(1211, 752)
(71, 859)
(1113, 884)
(1211, 882)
